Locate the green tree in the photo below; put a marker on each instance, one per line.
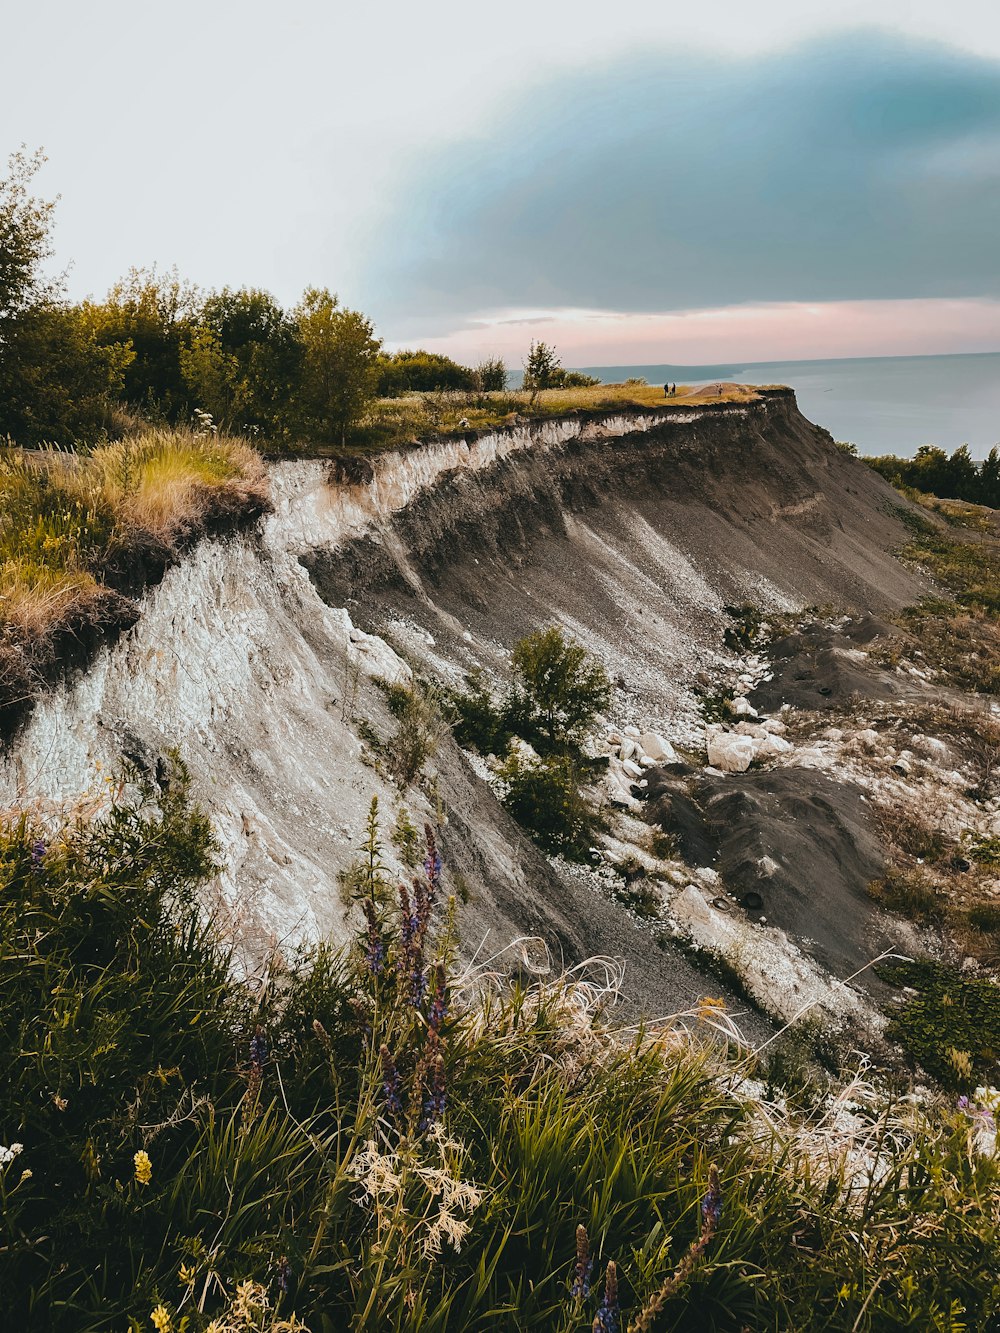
(156, 313)
(338, 366)
(542, 370)
(211, 375)
(491, 375)
(421, 372)
(563, 685)
(25, 224)
(252, 328)
(56, 381)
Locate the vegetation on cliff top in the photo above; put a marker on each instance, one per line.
(157, 349)
(77, 530)
(380, 1139)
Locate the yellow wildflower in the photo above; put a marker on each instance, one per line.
(143, 1171)
(161, 1318)
(186, 1274)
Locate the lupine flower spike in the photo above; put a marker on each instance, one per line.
(711, 1211)
(608, 1318)
(580, 1289)
(391, 1087)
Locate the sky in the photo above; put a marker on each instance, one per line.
(633, 183)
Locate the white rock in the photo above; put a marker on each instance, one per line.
(631, 731)
(769, 747)
(750, 729)
(632, 768)
(730, 752)
(627, 749)
(647, 762)
(654, 745)
(742, 707)
(774, 726)
(833, 734)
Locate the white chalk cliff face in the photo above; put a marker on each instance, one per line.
(266, 690)
(238, 665)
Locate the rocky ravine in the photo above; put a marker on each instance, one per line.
(256, 659)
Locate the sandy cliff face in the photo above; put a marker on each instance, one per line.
(255, 658)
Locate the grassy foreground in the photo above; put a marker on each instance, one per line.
(383, 1139)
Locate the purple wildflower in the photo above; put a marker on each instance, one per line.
(609, 1316)
(432, 861)
(580, 1289)
(284, 1274)
(711, 1204)
(963, 1103)
(391, 1085)
(38, 850)
(258, 1049)
(436, 1100)
(438, 1011)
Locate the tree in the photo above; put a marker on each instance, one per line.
(337, 375)
(25, 223)
(491, 375)
(989, 479)
(156, 314)
(564, 687)
(421, 372)
(542, 368)
(56, 381)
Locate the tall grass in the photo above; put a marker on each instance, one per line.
(381, 1139)
(66, 519)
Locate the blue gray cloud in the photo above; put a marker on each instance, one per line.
(861, 167)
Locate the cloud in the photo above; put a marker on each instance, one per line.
(857, 168)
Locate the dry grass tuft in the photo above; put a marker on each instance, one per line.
(66, 518)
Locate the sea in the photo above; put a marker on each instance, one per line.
(882, 404)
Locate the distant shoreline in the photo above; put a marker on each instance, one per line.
(882, 404)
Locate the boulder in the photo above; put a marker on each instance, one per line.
(632, 768)
(731, 752)
(742, 707)
(750, 729)
(627, 749)
(631, 731)
(769, 747)
(658, 749)
(774, 726)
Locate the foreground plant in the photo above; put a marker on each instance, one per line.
(383, 1138)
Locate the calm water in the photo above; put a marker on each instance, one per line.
(884, 405)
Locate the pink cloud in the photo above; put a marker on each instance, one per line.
(788, 331)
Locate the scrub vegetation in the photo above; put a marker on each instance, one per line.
(313, 377)
(380, 1139)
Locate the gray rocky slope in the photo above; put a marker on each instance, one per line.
(256, 658)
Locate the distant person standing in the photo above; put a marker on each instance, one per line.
(666, 390)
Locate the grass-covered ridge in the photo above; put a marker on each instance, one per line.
(383, 1139)
(77, 529)
(390, 422)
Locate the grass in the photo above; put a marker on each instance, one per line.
(73, 526)
(383, 1139)
(959, 635)
(391, 422)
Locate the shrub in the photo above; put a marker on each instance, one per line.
(563, 686)
(420, 727)
(483, 722)
(546, 799)
(952, 1024)
(906, 892)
